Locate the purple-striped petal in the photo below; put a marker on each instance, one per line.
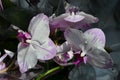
(96, 37)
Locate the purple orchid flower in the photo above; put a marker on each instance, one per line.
(73, 18)
(39, 45)
(1, 6)
(2, 64)
(91, 43)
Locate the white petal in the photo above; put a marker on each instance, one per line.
(99, 57)
(45, 51)
(26, 57)
(39, 28)
(74, 18)
(88, 18)
(63, 48)
(75, 38)
(95, 37)
(10, 53)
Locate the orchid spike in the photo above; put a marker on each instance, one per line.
(39, 45)
(92, 43)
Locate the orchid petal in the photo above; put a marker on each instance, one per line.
(59, 22)
(75, 37)
(39, 28)
(88, 18)
(99, 58)
(78, 20)
(2, 66)
(63, 48)
(27, 35)
(46, 51)
(96, 37)
(26, 57)
(74, 18)
(10, 53)
(85, 59)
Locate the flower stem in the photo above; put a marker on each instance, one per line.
(49, 72)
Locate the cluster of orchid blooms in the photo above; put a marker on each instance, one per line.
(36, 44)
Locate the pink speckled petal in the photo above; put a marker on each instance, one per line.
(96, 37)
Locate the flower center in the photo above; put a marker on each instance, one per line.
(24, 37)
(82, 54)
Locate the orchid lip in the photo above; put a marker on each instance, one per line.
(24, 37)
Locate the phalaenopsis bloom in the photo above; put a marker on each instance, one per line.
(87, 46)
(91, 43)
(35, 44)
(72, 18)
